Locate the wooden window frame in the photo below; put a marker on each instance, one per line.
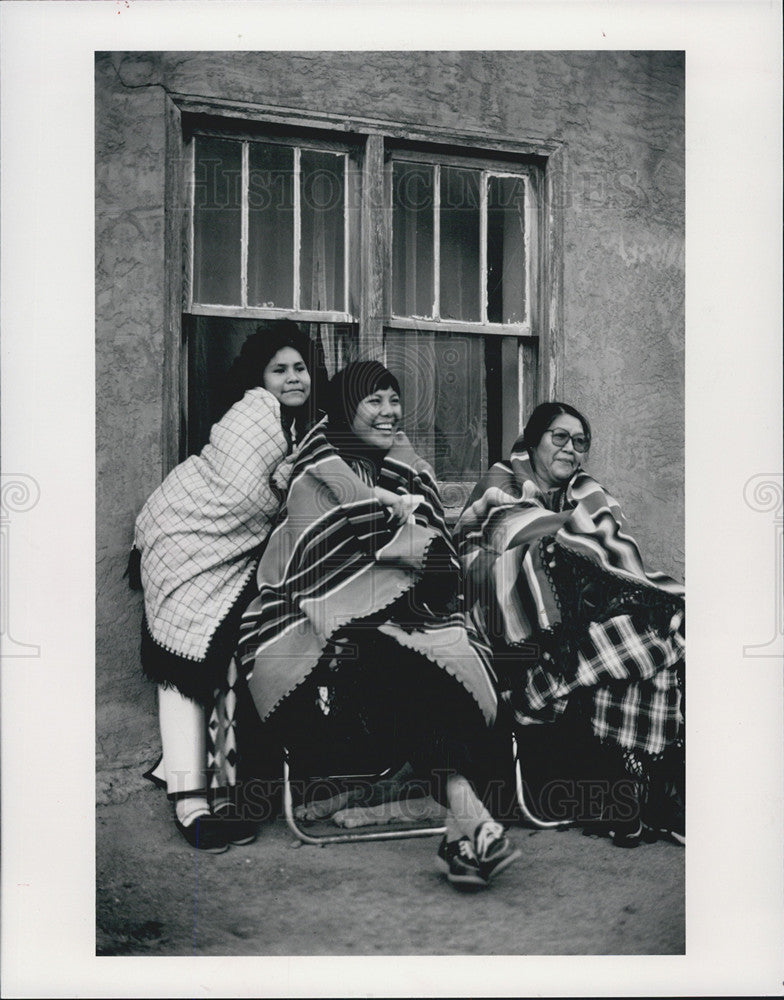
(487, 168)
(242, 310)
(374, 138)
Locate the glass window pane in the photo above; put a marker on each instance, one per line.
(412, 239)
(459, 258)
(340, 343)
(444, 380)
(271, 225)
(217, 205)
(322, 248)
(506, 250)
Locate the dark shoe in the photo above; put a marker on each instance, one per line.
(665, 815)
(628, 833)
(205, 834)
(674, 831)
(237, 831)
(624, 833)
(597, 828)
(494, 851)
(458, 861)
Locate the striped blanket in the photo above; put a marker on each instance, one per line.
(334, 560)
(558, 585)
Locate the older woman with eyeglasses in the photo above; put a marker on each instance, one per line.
(585, 638)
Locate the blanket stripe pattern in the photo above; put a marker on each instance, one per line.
(565, 600)
(333, 560)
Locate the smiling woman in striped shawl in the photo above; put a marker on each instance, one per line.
(360, 594)
(579, 628)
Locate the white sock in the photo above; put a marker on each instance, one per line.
(189, 808)
(465, 806)
(453, 831)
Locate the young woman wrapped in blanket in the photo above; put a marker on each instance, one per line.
(580, 630)
(360, 595)
(196, 544)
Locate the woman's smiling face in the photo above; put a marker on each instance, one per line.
(377, 418)
(554, 466)
(287, 377)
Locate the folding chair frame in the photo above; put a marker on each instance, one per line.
(343, 838)
(528, 816)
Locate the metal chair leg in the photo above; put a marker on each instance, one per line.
(542, 824)
(343, 838)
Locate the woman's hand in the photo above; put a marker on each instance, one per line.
(400, 505)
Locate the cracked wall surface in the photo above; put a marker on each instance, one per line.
(620, 116)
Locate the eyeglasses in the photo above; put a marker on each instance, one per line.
(580, 441)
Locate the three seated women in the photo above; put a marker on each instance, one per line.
(361, 609)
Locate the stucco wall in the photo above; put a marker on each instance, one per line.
(621, 118)
(129, 348)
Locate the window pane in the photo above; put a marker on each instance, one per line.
(459, 256)
(217, 207)
(412, 240)
(340, 343)
(322, 249)
(271, 225)
(444, 380)
(506, 250)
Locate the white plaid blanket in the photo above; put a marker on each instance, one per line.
(199, 531)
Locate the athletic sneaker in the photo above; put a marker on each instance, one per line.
(457, 859)
(494, 851)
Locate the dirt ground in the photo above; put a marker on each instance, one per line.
(568, 894)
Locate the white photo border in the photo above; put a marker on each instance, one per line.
(735, 922)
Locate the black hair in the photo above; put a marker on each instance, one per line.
(351, 385)
(541, 418)
(247, 369)
(346, 391)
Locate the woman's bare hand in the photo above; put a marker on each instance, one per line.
(400, 505)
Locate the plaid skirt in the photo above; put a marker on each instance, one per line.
(611, 649)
